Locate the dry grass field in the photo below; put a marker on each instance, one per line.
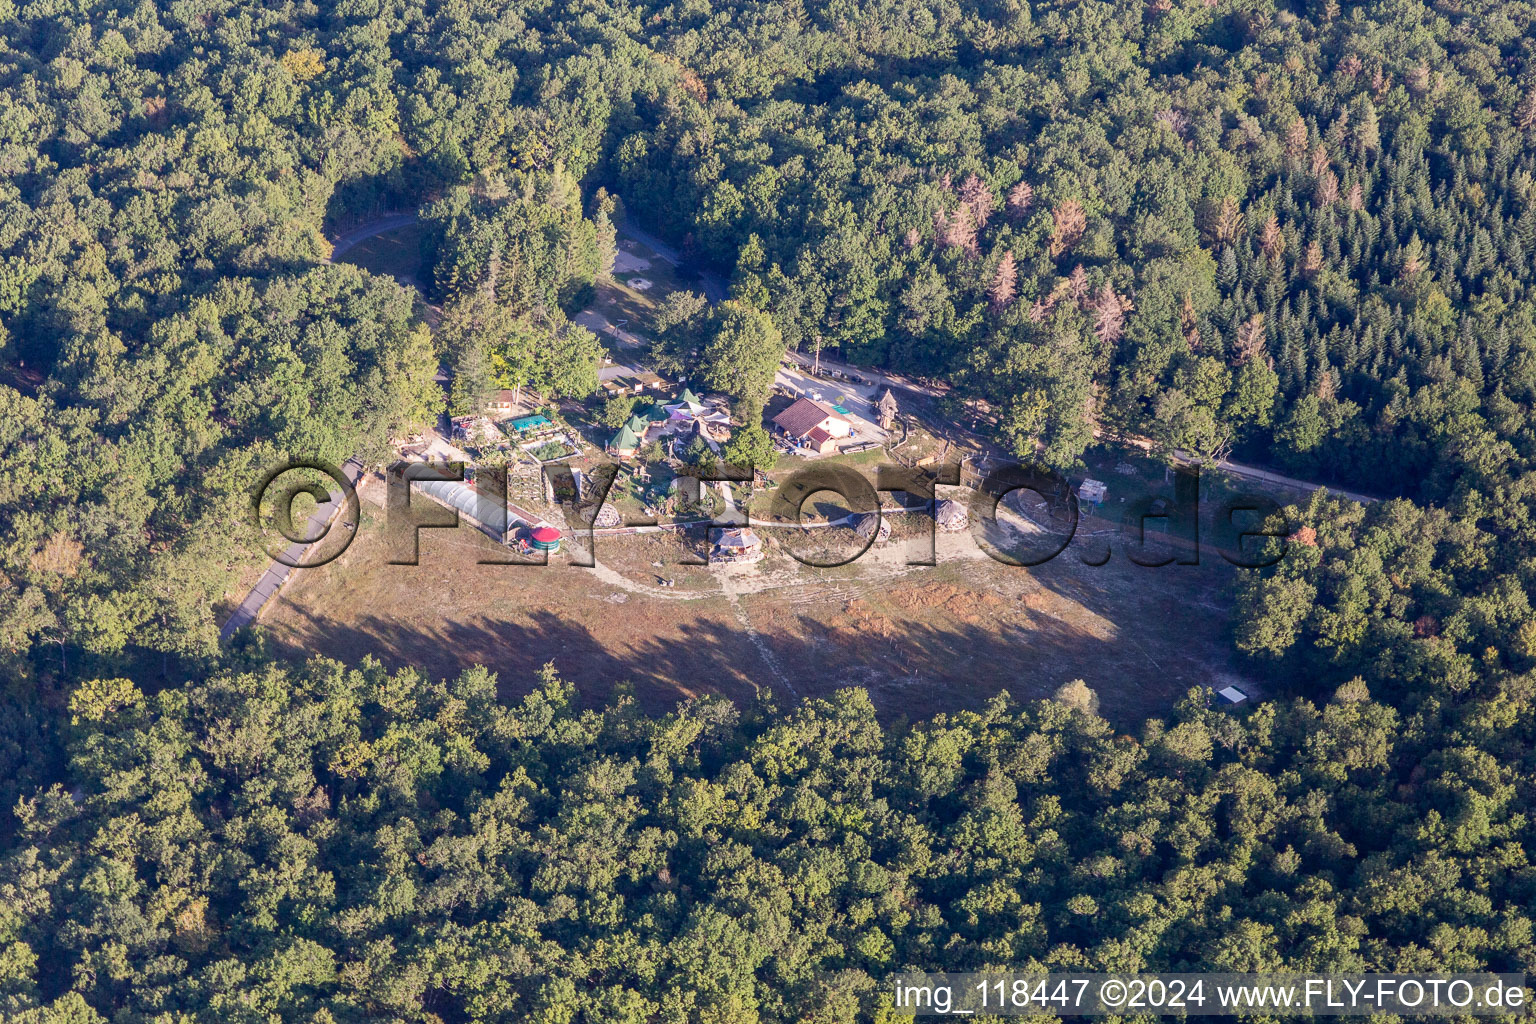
(922, 639)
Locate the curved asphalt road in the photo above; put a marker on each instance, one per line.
(389, 222)
(317, 526)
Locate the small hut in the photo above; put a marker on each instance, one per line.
(872, 524)
(625, 443)
(886, 409)
(607, 517)
(950, 516)
(544, 538)
(737, 544)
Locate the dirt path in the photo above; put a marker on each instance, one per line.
(714, 285)
(734, 582)
(771, 660)
(739, 580)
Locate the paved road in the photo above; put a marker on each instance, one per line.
(389, 222)
(1265, 476)
(859, 394)
(715, 289)
(803, 382)
(277, 573)
(1247, 472)
(732, 513)
(878, 381)
(866, 393)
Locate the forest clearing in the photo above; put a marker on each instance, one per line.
(921, 639)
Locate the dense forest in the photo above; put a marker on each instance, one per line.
(1306, 235)
(1303, 234)
(326, 844)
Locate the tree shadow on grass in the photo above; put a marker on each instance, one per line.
(703, 657)
(1139, 637)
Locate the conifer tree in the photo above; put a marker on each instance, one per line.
(1020, 198)
(1004, 286)
(1068, 223)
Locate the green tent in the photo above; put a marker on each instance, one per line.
(689, 398)
(625, 440)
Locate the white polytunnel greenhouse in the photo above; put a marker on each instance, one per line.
(484, 508)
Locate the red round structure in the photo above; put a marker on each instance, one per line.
(545, 538)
